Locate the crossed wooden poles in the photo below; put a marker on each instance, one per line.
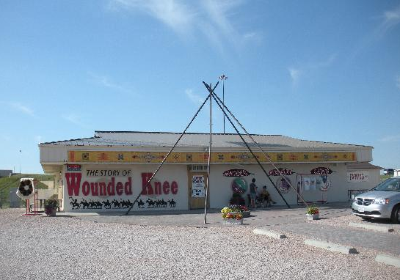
(225, 110)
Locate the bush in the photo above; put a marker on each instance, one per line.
(52, 202)
(237, 199)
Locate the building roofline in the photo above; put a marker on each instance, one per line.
(98, 132)
(229, 134)
(178, 133)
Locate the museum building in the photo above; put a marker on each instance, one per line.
(108, 171)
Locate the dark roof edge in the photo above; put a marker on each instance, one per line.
(177, 133)
(61, 141)
(362, 165)
(335, 143)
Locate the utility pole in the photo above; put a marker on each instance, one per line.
(208, 162)
(20, 159)
(223, 78)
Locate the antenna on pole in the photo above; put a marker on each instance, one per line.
(223, 78)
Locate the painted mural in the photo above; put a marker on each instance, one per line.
(119, 204)
(279, 171)
(282, 183)
(239, 185)
(201, 157)
(317, 180)
(112, 189)
(236, 173)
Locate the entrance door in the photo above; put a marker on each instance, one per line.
(197, 189)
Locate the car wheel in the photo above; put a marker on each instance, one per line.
(396, 215)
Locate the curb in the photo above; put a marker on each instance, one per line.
(331, 246)
(389, 260)
(269, 233)
(372, 227)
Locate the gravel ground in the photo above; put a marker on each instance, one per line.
(33, 247)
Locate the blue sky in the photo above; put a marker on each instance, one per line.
(314, 70)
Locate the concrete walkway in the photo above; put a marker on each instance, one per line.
(276, 215)
(383, 242)
(276, 218)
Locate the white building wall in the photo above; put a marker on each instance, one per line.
(371, 178)
(221, 192)
(364, 154)
(51, 154)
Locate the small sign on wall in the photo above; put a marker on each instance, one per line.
(198, 186)
(357, 176)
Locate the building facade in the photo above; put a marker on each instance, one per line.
(5, 173)
(110, 170)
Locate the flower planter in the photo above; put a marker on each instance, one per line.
(233, 221)
(232, 217)
(50, 205)
(51, 212)
(311, 217)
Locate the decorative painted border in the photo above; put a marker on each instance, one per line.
(216, 157)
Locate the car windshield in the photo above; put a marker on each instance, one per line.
(391, 184)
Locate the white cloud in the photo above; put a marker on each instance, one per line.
(23, 109)
(194, 97)
(324, 63)
(294, 75)
(392, 17)
(212, 34)
(75, 119)
(389, 20)
(249, 35)
(386, 21)
(218, 26)
(390, 138)
(309, 68)
(218, 13)
(106, 82)
(212, 18)
(252, 36)
(172, 13)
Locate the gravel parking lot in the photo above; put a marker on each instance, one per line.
(34, 247)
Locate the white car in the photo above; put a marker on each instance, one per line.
(382, 202)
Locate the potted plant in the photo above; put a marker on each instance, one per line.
(312, 213)
(241, 209)
(230, 217)
(237, 199)
(51, 205)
